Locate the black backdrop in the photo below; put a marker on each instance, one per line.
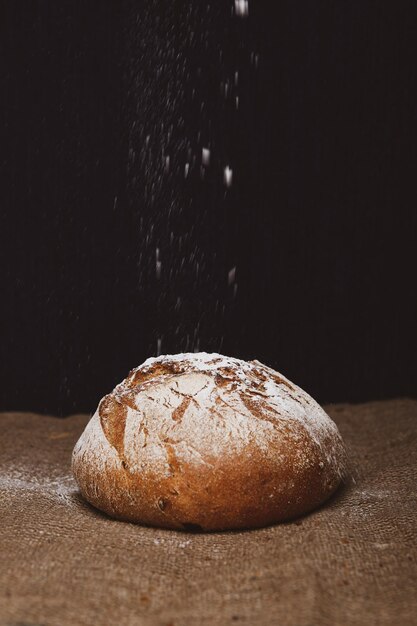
(109, 252)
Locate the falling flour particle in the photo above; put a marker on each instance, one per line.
(228, 176)
(158, 346)
(231, 276)
(175, 122)
(158, 269)
(254, 59)
(205, 156)
(242, 8)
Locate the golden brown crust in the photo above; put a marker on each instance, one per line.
(253, 492)
(248, 487)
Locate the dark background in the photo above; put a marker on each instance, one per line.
(320, 220)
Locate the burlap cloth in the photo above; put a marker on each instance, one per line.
(351, 562)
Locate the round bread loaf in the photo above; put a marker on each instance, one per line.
(207, 442)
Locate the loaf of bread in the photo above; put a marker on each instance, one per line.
(207, 442)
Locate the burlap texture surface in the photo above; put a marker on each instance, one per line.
(352, 562)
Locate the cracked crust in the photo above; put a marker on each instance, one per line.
(201, 441)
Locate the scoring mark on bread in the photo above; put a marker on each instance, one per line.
(177, 414)
(222, 381)
(113, 422)
(157, 370)
(259, 408)
(142, 428)
(269, 373)
(282, 381)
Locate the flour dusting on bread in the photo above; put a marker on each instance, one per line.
(178, 417)
(225, 396)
